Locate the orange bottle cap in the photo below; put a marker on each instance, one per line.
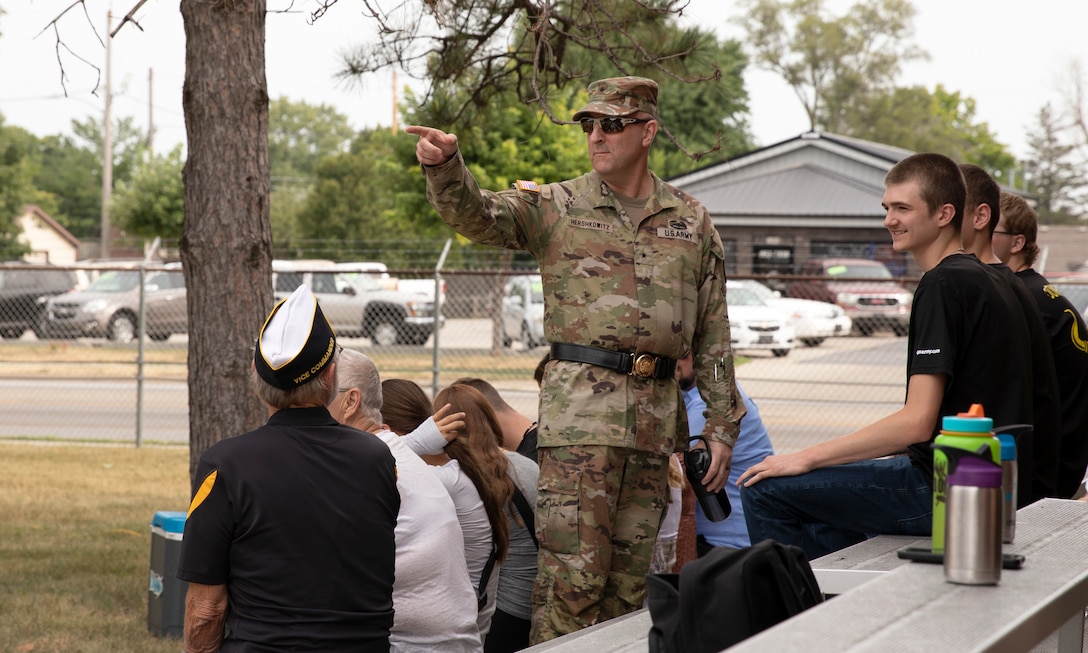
(974, 411)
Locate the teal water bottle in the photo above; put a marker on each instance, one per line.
(1008, 486)
(970, 431)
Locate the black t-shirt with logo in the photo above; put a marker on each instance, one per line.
(1046, 396)
(1067, 336)
(965, 323)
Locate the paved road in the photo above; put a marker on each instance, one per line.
(808, 396)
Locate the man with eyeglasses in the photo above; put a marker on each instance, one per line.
(289, 538)
(1014, 244)
(633, 274)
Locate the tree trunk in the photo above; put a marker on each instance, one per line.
(226, 244)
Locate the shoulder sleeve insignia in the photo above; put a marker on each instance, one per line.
(530, 186)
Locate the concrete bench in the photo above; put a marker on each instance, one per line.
(904, 606)
(889, 604)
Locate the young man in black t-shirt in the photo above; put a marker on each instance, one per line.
(1014, 243)
(1037, 453)
(964, 347)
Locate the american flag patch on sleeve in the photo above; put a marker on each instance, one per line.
(530, 186)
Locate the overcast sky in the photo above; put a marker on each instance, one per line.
(1011, 56)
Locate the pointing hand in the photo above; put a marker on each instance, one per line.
(435, 146)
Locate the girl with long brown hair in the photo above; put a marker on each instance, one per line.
(516, 476)
(477, 485)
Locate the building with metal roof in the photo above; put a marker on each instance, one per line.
(815, 195)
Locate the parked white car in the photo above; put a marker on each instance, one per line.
(813, 321)
(754, 325)
(523, 312)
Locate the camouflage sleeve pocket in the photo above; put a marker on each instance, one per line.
(558, 503)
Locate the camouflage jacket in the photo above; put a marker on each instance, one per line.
(654, 287)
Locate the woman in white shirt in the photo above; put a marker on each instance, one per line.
(476, 484)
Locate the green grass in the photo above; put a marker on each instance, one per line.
(75, 544)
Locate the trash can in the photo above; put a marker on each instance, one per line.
(165, 593)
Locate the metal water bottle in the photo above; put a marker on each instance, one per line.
(716, 506)
(1008, 486)
(972, 552)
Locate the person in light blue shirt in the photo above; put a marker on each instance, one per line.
(753, 445)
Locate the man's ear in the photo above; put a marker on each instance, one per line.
(982, 217)
(649, 132)
(349, 403)
(1017, 245)
(945, 215)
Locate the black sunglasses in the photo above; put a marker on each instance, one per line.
(609, 125)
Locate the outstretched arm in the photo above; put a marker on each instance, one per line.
(912, 423)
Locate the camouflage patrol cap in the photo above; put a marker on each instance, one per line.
(620, 96)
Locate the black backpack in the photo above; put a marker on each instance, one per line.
(727, 596)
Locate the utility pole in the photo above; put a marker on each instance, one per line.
(150, 114)
(394, 129)
(107, 149)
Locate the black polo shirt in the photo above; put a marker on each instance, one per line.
(297, 519)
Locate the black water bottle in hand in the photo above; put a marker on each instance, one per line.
(715, 505)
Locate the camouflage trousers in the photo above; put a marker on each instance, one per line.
(598, 512)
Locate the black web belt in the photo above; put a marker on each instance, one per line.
(645, 366)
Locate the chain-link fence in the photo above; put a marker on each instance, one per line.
(99, 353)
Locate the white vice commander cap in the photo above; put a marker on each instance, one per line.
(296, 342)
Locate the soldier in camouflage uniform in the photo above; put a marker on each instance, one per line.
(633, 275)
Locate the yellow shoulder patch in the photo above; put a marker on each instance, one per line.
(530, 186)
(202, 492)
(1074, 333)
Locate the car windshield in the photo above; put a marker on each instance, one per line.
(759, 290)
(738, 296)
(363, 281)
(859, 270)
(115, 281)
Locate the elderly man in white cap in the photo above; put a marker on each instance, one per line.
(289, 540)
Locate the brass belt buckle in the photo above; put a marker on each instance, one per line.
(644, 366)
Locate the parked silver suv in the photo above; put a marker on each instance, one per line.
(110, 307)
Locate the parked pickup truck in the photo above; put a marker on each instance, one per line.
(359, 306)
(379, 272)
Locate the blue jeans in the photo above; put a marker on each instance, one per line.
(831, 508)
